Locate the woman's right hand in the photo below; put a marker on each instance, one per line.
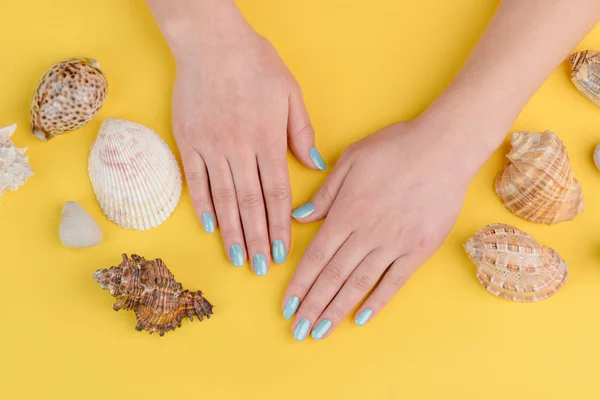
(236, 109)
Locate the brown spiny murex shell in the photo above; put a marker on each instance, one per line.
(150, 290)
(67, 96)
(585, 73)
(512, 265)
(538, 185)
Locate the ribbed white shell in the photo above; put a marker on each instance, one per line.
(135, 176)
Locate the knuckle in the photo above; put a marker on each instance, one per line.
(397, 281)
(314, 257)
(307, 131)
(313, 308)
(361, 282)
(223, 195)
(334, 275)
(250, 200)
(193, 176)
(336, 315)
(254, 243)
(230, 232)
(324, 194)
(277, 194)
(297, 288)
(183, 130)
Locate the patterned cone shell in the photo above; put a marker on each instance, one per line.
(512, 265)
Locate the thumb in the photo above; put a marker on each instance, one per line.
(301, 135)
(321, 203)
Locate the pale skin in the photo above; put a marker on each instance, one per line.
(237, 108)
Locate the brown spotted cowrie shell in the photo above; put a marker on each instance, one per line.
(69, 94)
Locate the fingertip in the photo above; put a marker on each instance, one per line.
(236, 255)
(208, 222)
(317, 159)
(363, 317)
(259, 264)
(304, 210)
(278, 252)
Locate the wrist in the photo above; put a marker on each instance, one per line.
(205, 26)
(472, 118)
(469, 125)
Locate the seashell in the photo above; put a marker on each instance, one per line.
(512, 265)
(135, 176)
(597, 157)
(14, 167)
(150, 290)
(77, 228)
(585, 73)
(538, 185)
(68, 96)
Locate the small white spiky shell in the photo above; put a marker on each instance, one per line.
(135, 175)
(14, 166)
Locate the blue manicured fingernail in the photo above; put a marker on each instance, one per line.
(291, 307)
(279, 252)
(301, 329)
(236, 255)
(363, 317)
(259, 262)
(321, 329)
(208, 222)
(304, 210)
(316, 158)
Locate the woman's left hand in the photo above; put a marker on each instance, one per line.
(390, 202)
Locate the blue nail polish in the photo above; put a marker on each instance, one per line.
(363, 317)
(279, 252)
(236, 255)
(304, 210)
(316, 158)
(208, 222)
(321, 329)
(259, 262)
(291, 307)
(301, 329)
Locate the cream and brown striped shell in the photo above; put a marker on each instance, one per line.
(585, 73)
(512, 265)
(538, 185)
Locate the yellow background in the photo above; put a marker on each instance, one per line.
(363, 65)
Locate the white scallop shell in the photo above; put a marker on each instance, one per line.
(135, 176)
(14, 166)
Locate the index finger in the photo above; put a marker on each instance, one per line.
(320, 251)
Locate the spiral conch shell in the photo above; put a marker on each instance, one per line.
(135, 176)
(150, 290)
(68, 96)
(585, 73)
(538, 185)
(512, 265)
(14, 166)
